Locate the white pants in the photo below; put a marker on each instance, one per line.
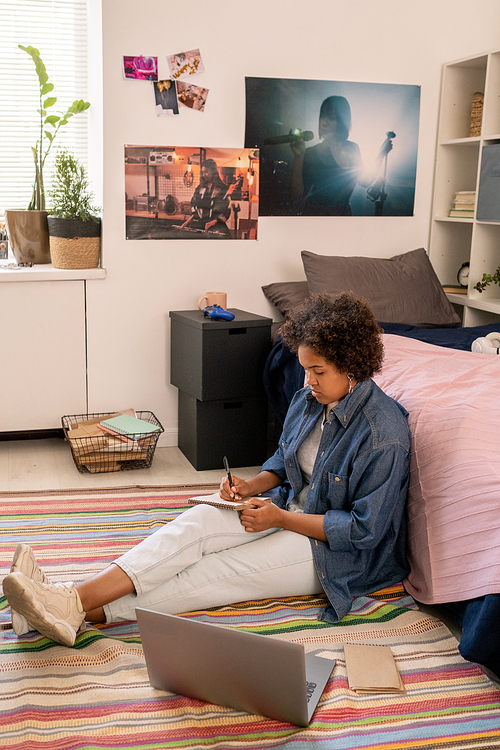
(205, 558)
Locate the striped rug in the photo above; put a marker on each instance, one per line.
(96, 695)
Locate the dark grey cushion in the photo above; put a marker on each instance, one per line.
(286, 295)
(401, 289)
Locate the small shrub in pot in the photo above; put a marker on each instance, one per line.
(74, 224)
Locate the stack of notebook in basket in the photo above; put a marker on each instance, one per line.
(109, 442)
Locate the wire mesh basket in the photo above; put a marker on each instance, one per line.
(102, 452)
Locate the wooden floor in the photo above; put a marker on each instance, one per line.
(48, 465)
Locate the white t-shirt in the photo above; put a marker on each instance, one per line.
(306, 454)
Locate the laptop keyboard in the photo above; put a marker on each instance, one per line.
(310, 688)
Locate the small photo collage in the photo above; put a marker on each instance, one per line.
(176, 91)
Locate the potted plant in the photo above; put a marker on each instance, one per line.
(28, 231)
(488, 278)
(74, 224)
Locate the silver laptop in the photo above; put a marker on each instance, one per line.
(246, 671)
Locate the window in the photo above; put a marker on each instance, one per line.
(58, 29)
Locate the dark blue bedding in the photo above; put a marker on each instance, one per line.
(479, 618)
(453, 338)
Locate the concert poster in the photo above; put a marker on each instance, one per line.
(191, 193)
(334, 148)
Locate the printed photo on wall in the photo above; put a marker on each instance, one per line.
(194, 97)
(166, 98)
(186, 193)
(185, 64)
(334, 148)
(141, 68)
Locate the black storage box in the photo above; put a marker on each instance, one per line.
(219, 359)
(210, 430)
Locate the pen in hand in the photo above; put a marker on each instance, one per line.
(228, 472)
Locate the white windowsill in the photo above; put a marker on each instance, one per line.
(46, 272)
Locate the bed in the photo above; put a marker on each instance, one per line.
(453, 398)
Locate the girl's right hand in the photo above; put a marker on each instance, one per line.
(239, 490)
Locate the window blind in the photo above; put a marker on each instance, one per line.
(58, 29)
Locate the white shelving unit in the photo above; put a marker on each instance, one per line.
(454, 241)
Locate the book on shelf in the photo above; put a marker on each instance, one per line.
(129, 426)
(217, 501)
(464, 205)
(465, 194)
(451, 289)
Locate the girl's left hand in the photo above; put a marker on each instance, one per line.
(264, 516)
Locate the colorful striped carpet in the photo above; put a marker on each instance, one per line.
(97, 696)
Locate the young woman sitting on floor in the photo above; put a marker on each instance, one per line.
(336, 525)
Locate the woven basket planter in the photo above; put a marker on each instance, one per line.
(74, 243)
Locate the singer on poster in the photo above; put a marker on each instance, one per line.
(329, 148)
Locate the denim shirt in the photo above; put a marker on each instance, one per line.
(359, 483)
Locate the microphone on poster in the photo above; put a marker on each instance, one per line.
(293, 135)
(387, 144)
(376, 191)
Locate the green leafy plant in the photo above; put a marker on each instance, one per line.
(70, 196)
(50, 124)
(488, 279)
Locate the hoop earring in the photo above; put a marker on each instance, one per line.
(350, 378)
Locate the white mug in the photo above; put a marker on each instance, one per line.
(213, 298)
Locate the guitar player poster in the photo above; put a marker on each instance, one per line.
(334, 148)
(187, 193)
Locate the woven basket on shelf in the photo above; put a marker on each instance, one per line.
(476, 116)
(74, 243)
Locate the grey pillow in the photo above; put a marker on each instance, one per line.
(401, 289)
(286, 295)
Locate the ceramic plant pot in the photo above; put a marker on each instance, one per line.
(28, 233)
(74, 243)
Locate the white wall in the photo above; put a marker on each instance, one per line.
(361, 40)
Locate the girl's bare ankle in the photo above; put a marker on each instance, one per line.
(96, 615)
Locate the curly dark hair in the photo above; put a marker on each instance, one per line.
(341, 329)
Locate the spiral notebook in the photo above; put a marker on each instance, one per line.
(218, 502)
(132, 427)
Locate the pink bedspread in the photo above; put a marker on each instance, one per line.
(453, 398)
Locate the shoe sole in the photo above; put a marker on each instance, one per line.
(23, 601)
(20, 624)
